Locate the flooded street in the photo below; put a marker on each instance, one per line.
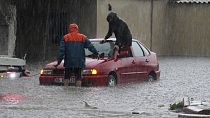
(180, 77)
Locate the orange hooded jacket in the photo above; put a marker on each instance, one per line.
(72, 48)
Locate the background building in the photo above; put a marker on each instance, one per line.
(172, 27)
(167, 27)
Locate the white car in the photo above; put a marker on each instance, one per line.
(12, 67)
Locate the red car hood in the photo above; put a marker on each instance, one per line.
(90, 63)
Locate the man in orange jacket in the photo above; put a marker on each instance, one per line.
(72, 49)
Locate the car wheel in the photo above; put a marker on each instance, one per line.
(112, 81)
(151, 78)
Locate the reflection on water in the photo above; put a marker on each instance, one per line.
(180, 77)
(11, 98)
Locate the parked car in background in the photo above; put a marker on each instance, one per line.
(11, 68)
(134, 65)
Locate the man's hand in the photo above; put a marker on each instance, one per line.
(95, 55)
(57, 64)
(116, 47)
(103, 41)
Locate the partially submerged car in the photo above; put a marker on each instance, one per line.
(12, 67)
(133, 65)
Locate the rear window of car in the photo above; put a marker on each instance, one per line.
(146, 51)
(137, 49)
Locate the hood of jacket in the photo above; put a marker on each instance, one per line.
(73, 28)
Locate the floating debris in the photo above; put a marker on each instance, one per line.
(89, 106)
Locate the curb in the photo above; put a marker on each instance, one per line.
(193, 116)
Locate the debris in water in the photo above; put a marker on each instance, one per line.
(89, 106)
(134, 112)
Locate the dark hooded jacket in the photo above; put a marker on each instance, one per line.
(120, 29)
(72, 48)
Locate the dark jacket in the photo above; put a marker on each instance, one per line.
(72, 49)
(120, 29)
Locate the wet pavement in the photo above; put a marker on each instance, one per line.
(180, 77)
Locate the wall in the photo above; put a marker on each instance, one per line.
(88, 17)
(3, 40)
(7, 28)
(42, 24)
(168, 29)
(12, 30)
(3, 32)
(190, 29)
(4, 35)
(160, 28)
(147, 23)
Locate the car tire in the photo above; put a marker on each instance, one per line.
(151, 78)
(112, 81)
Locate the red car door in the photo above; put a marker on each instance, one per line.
(127, 68)
(141, 61)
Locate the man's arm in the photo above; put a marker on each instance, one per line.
(109, 33)
(90, 47)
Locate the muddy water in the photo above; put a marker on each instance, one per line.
(180, 77)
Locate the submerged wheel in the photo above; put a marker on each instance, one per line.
(112, 81)
(151, 77)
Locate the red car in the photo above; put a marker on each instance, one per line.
(134, 65)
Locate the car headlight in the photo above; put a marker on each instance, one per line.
(2, 75)
(45, 71)
(89, 72)
(12, 75)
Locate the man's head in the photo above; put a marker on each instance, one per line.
(73, 28)
(112, 17)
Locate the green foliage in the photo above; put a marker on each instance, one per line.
(176, 106)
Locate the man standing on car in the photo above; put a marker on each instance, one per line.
(121, 31)
(72, 49)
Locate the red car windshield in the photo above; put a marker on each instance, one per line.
(106, 48)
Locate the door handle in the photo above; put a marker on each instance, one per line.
(147, 60)
(133, 62)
